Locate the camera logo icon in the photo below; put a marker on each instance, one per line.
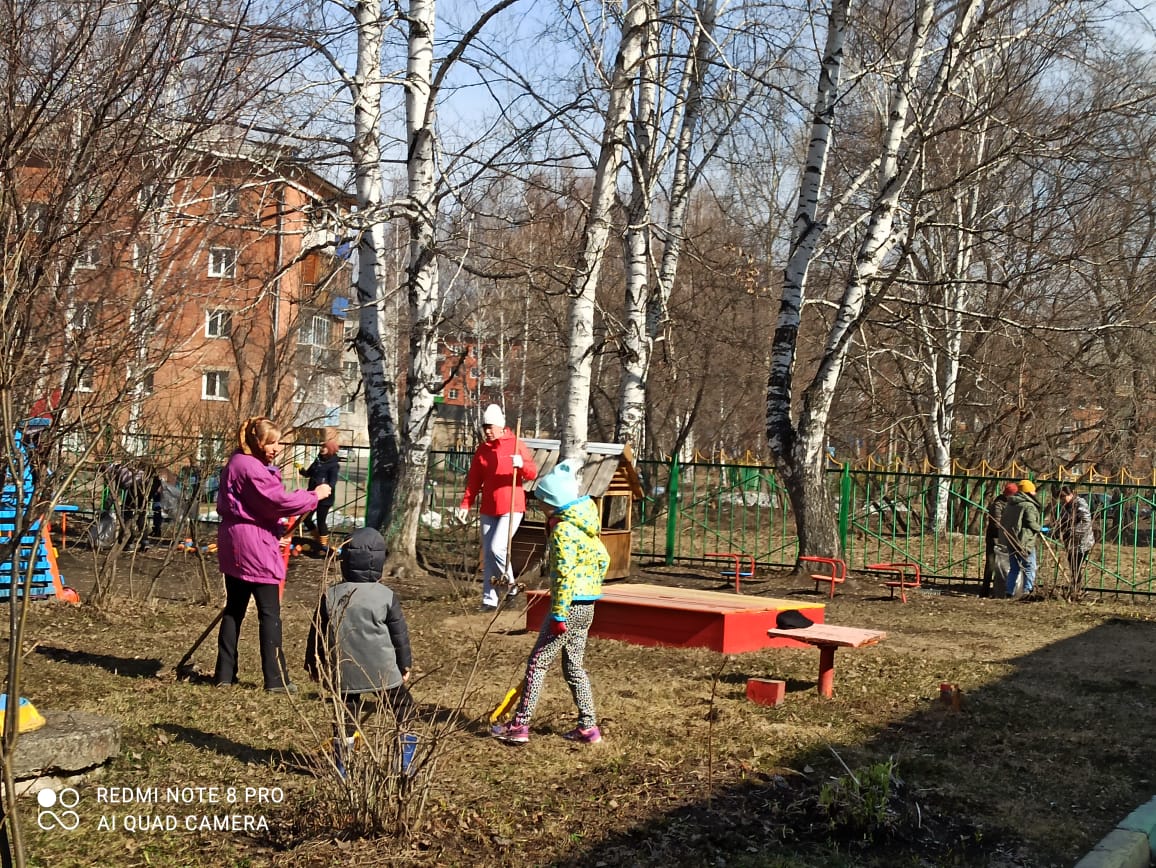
(56, 809)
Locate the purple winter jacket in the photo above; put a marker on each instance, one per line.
(250, 501)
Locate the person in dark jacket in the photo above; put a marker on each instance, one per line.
(996, 561)
(1021, 525)
(323, 471)
(1076, 533)
(359, 645)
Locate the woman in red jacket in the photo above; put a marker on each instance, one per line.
(500, 464)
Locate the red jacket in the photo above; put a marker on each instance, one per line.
(491, 473)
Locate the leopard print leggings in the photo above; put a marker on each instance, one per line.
(572, 645)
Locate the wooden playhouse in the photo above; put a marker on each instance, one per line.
(608, 475)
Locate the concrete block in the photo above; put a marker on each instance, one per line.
(69, 742)
(766, 691)
(1120, 848)
(1143, 820)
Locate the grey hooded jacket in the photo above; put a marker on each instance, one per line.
(359, 634)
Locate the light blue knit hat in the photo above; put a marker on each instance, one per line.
(560, 486)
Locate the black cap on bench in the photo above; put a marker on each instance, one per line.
(792, 619)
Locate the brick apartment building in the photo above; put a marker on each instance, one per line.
(235, 277)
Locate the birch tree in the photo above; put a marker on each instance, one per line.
(646, 300)
(799, 446)
(584, 282)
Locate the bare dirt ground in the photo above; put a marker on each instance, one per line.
(1049, 748)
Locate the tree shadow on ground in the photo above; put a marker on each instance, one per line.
(296, 762)
(1065, 737)
(130, 667)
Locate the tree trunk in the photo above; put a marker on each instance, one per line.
(800, 467)
(646, 311)
(422, 283)
(584, 283)
(376, 335)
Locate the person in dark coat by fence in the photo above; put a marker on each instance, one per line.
(323, 471)
(1077, 534)
(997, 561)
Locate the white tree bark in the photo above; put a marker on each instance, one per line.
(804, 485)
(422, 283)
(377, 325)
(584, 282)
(646, 308)
(799, 450)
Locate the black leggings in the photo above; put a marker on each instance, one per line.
(268, 599)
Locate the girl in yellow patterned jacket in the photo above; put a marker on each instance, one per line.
(577, 562)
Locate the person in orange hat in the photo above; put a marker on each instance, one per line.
(996, 561)
(1021, 525)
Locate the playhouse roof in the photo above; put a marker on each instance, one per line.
(607, 468)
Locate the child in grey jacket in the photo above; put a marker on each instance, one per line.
(359, 644)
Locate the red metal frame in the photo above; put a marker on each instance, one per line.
(837, 566)
(738, 558)
(899, 568)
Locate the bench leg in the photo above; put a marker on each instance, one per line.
(827, 670)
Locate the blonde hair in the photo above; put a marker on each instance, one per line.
(256, 433)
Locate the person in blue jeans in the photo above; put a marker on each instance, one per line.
(1021, 525)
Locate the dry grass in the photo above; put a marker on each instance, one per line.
(1048, 751)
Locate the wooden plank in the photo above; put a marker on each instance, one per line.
(831, 634)
(604, 467)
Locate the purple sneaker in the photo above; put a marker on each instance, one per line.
(588, 735)
(511, 733)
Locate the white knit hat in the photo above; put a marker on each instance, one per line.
(494, 416)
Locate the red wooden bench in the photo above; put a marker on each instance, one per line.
(827, 638)
(682, 617)
(738, 558)
(836, 575)
(904, 570)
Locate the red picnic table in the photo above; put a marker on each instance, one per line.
(827, 638)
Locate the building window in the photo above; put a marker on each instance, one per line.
(139, 256)
(315, 340)
(83, 315)
(88, 256)
(37, 217)
(226, 200)
(218, 323)
(316, 331)
(84, 379)
(215, 386)
(222, 262)
(148, 383)
(351, 372)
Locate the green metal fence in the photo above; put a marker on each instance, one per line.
(692, 511)
(695, 510)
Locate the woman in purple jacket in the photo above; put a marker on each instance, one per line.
(253, 505)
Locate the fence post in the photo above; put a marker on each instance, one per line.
(672, 510)
(844, 507)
